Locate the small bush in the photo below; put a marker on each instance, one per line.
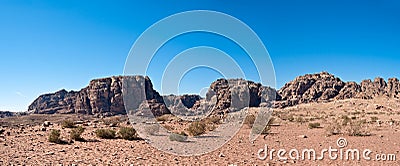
(356, 129)
(163, 118)
(55, 136)
(128, 133)
(105, 133)
(374, 118)
(334, 128)
(346, 120)
(313, 125)
(112, 121)
(249, 120)
(182, 137)
(197, 128)
(76, 133)
(213, 120)
(68, 124)
(153, 129)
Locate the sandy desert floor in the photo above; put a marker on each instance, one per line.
(362, 124)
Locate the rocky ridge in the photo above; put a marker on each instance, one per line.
(104, 96)
(101, 97)
(323, 87)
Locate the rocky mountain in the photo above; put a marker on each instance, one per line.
(101, 97)
(325, 87)
(104, 96)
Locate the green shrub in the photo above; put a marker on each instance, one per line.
(128, 133)
(197, 128)
(105, 133)
(313, 125)
(182, 137)
(76, 133)
(68, 124)
(55, 136)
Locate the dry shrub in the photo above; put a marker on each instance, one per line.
(356, 129)
(68, 124)
(153, 129)
(55, 136)
(180, 137)
(197, 128)
(76, 133)
(213, 120)
(314, 125)
(334, 128)
(112, 121)
(249, 120)
(105, 133)
(128, 133)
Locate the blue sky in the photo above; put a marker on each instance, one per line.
(49, 45)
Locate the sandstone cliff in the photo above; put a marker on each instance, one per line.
(104, 96)
(325, 87)
(101, 96)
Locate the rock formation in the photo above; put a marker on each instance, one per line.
(325, 87)
(101, 96)
(104, 96)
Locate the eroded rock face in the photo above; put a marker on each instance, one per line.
(325, 87)
(240, 93)
(102, 96)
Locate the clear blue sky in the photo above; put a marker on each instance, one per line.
(48, 45)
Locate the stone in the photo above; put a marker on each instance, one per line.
(101, 97)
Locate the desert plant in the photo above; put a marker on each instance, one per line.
(112, 121)
(334, 128)
(55, 136)
(356, 129)
(181, 137)
(346, 120)
(105, 133)
(128, 133)
(374, 118)
(163, 118)
(153, 129)
(68, 124)
(197, 128)
(249, 120)
(213, 120)
(76, 133)
(314, 125)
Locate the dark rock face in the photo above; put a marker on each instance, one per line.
(226, 94)
(101, 96)
(325, 87)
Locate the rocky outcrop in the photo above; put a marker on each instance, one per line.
(105, 96)
(102, 96)
(239, 93)
(323, 86)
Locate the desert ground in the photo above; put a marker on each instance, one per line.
(364, 124)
